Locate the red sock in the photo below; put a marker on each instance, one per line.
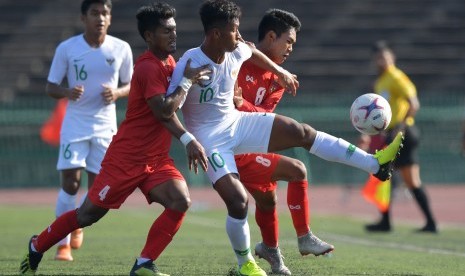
(161, 233)
(268, 223)
(59, 229)
(297, 202)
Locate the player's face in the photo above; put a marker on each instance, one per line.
(162, 41)
(97, 19)
(281, 47)
(229, 35)
(383, 59)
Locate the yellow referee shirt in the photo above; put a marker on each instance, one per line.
(396, 88)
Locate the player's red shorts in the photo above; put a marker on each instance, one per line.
(117, 180)
(256, 169)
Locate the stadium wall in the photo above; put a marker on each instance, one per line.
(26, 161)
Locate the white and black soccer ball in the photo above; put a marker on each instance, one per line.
(370, 113)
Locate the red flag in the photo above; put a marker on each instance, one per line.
(50, 130)
(377, 192)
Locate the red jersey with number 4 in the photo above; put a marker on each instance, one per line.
(260, 90)
(141, 137)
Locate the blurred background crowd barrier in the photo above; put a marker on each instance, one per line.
(331, 59)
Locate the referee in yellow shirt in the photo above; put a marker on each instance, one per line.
(401, 94)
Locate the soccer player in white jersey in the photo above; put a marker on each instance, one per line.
(210, 116)
(94, 64)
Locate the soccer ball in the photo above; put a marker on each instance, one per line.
(370, 114)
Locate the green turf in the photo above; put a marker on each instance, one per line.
(202, 248)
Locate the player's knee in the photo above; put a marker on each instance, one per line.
(299, 171)
(309, 134)
(182, 204)
(70, 184)
(267, 204)
(238, 205)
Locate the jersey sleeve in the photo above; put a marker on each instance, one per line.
(59, 65)
(242, 52)
(178, 73)
(126, 69)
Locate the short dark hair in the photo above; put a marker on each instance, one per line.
(85, 5)
(149, 16)
(278, 21)
(218, 13)
(380, 46)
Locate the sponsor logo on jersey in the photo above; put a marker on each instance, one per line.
(249, 78)
(77, 59)
(234, 73)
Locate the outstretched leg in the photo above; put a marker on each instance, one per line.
(287, 133)
(84, 216)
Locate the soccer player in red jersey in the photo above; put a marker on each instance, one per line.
(138, 156)
(259, 91)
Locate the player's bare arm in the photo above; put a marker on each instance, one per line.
(111, 94)
(238, 99)
(58, 92)
(285, 78)
(195, 151)
(191, 75)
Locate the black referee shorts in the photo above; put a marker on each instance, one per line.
(409, 153)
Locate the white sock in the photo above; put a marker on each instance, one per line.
(239, 236)
(65, 203)
(339, 150)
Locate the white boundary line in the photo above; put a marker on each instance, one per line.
(199, 220)
(392, 245)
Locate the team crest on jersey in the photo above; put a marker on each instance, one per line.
(110, 61)
(234, 73)
(274, 86)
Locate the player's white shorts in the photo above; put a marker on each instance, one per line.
(86, 154)
(250, 133)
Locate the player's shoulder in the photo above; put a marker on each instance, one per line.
(193, 53)
(399, 75)
(147, 62)
(117, 41)
(196, 56)
(243, 49)
(71, 41)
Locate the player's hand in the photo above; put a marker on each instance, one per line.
(196, 156)
(109, 94)
(76, 93)
(288, 81)
(238, 99)
(198, 74)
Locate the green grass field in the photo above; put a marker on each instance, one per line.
(201, 246)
